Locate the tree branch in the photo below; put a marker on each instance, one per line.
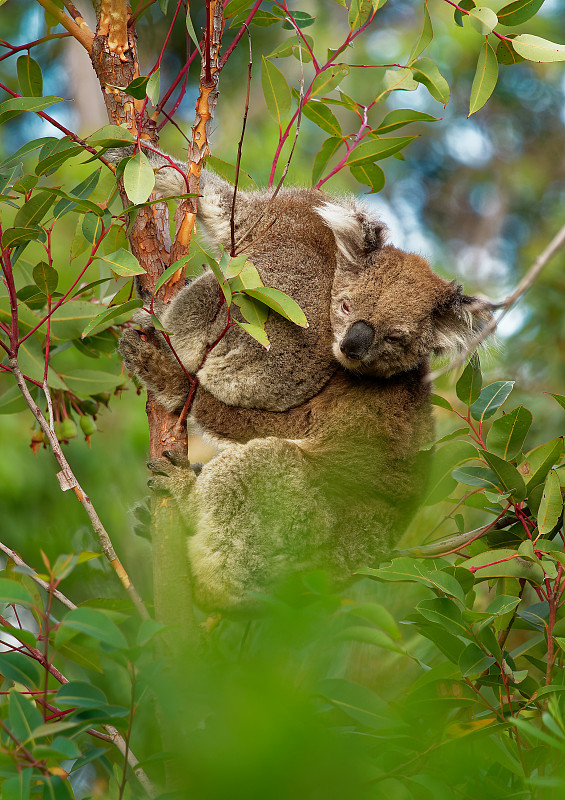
(80, 31)
(552, 248)
(67, 480)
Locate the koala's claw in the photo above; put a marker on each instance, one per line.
(176, 459)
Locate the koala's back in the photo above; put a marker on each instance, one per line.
(293, 251)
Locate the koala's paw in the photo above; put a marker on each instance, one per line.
(172, 475)
(137, 350)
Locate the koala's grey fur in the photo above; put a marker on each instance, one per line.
(321, 252)
(321, 468)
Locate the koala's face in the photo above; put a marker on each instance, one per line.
(391, 312)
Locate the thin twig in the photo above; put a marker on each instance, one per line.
(552, 248)
(445, 546)
(44, 585)
(239, 148)
(235, 248)
(113, 734)
(67, 480)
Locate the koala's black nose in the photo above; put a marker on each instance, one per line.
(357, 340)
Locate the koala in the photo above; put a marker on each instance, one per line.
(371, 308)
(321, 467)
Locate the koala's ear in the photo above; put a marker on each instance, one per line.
(458, 319)
(357, 232)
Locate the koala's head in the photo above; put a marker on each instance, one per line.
(389, 311)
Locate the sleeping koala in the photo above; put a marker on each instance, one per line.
(321, 468)
(373, 309)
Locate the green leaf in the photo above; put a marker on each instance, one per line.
(322, 116)
(62, 151)
(485, 78)
(33, 211)
(505, 53)
(234, 7)
(533, 48)
(379, 616)
(473, 661)
(483, 20)
(560, 399)
(399, 80)
(234, 265)
(508, 475)
(402, 116)
(147, 631)
(502, 605)
(18, 787)
(23, 715)
(362, 633)
(139, 178)
(329, 79)
(468, 387)
(441, 483)
(170, 271)
(516, 567)
(360, 11)
(257, 332)
(440, 402)
(507, 435)
(81, 191)
(123, 263)
(192, 33)
(93, 623)
(518, 12)
(46, 278)
(276, 91)
(17, 105)
(29, 76)
(11, 401)
(24, 150)
(447, 583)
(443, 611)
(227, 171)
(356, 701)
(68, 321)
(253, 311)
(112, 136)
(12, 592)
(102, 320)
(490, 399)
(84, 382)
(377, 149)
(404, 569)
(426, 71)
(476, 476)
(281, 303)
(425, 37)
(136, 87)
(153, 86)
(329, 148)
(248, 278)
(80, 694)
(369, 174)
(551, 504)
(539, 461)
(20, 669)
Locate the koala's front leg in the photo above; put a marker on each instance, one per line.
(154, 364)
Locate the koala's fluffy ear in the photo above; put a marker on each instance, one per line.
(357, 232)
(458, 319)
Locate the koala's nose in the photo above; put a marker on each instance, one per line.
(357, 340)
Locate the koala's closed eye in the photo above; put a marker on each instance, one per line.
(396, 337)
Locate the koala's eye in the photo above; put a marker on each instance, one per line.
(394, 336)
(344, 307)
